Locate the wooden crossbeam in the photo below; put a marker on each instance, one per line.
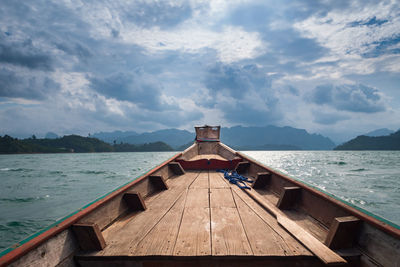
(242, 167)
(176, 168)
(261, 181)
(89, 236)
(134, 201)
(343, 232)
(158, 182)
(289, 197)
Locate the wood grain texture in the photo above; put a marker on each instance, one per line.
(161, 239)
(201, 181)
(325, 254)
(194, 233)
(263, 240)
(123, 240)
(89, 236)
(227, 233)
(216, 181)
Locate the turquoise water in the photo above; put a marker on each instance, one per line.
(38, 189)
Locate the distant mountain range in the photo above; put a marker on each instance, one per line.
(380, 132)
(241, 138)
(363, 142)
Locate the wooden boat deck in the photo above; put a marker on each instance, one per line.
(184, 213)
(199, 215)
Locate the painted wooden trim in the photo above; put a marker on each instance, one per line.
(70, 220)
(361, 215)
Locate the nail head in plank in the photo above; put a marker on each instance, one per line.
(176, 168)
(89, 236)
(289, 197)
(242, 167)
(134, 201)
(261, 181)
(158, 182)
(343, 232)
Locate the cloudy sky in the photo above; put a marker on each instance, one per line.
(330, 67)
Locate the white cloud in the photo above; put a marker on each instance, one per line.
(334, 30)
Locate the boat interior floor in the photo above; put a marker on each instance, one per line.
(201, 215)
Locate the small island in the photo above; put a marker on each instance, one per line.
(72, 144)
(362, 142)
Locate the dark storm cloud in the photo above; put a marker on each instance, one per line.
(75, 49)
(136, 87)
(354, 98)
(13, 85)
(25, 55)
(242, 93)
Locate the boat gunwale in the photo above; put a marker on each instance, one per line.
(359, 212)
(36, 239)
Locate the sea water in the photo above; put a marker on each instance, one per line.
(38, 189)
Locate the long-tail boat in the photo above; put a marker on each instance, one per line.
(185, 213)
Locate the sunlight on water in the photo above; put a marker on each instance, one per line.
(367, 179)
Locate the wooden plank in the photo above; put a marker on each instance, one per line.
(221, 198)
(89, 236)
(176, 168)
(290, 245)
(122, 240)
(261, 181)
(264, 241)
(194, 232)
(216, 181)
(227, 233)
(343, 232)
(308, 223)
(289, 197)
(161, 239)
(319, 249)
(134, 201)
(158, 182)
(325, 254)
(201, 181)
(197, 198)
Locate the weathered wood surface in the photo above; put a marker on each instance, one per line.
(216, 181)
(194, 232)
(328, 256)
(201, 214)
(201, 181)
(160, 240)
(89, 236)
(343, 232)
(58, 249)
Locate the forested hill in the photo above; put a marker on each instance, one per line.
(72, 143)
(389, 142)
